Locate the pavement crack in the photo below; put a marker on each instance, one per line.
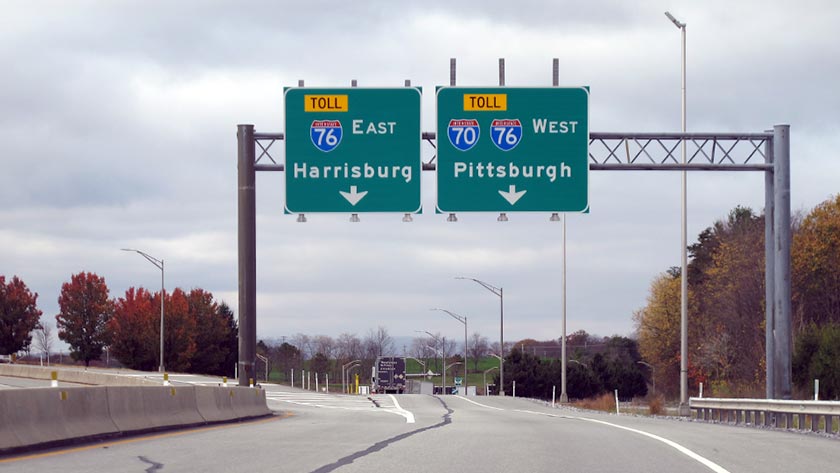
(446, 420)
(155, 465)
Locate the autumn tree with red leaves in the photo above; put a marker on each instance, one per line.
(84, 310)
(133, 331)
(179, 331)
(19, 315)
(213, 335)
(200, 335)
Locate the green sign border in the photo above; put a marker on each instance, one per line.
(306, 204)
(490, 154)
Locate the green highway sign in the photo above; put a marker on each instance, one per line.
(512, 149)
(352, 150)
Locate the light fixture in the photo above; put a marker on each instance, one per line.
(555, 217)
(502, 217)
(301, 218)
(451, 218)
(674, 20)
(354, 218)
(407, 218)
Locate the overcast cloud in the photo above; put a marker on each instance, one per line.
(118, 122)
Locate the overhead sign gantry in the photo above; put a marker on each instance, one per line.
(464, 129)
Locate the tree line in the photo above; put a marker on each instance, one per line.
(726, 292)
(324, 354)
(599, 364)
(596, 365)
(200, 334)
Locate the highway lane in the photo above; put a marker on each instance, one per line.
(658, 442)
(512, 440)
(320, 432)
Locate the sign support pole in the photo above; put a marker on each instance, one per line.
(769, 276)
(564, 396)
(246, 177)
(782, 294)
(502, 290)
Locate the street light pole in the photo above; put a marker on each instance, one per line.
(343, 374)
(564, 395)
(463, 320)
(442, 358)
(684, 409)
(418, 361)
(486, 393)
(434, 352)
(652, 374)
(501, 293)
(159, 264)
(447, 367)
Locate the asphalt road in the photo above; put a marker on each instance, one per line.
(318, 432)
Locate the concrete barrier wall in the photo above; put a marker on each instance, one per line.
(43, 416)
(48, 416)
(214, 404)
(72, 375)
(247, 402)
(219, 404)
(145, 408)
(7, 435)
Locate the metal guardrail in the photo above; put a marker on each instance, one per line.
(801, 415)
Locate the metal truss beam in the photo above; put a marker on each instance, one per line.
(624, 151)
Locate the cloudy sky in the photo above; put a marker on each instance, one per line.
(118, 129)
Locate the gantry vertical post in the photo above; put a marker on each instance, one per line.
(769, 275)
(782, 240)
(247, 253)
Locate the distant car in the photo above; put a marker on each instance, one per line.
(5, 358)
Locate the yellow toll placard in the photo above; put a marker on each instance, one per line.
(325, 103)
(489, 102)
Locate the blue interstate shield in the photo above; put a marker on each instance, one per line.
(325, 134)
(463, 133)
(506, 133)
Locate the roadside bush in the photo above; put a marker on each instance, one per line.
(605, 402)
(656, 405)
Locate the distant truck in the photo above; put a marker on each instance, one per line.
(389, 375)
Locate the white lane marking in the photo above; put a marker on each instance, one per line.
(409, 417)
(316, 402)
(694, 456)
(479, 404)
(325, 406)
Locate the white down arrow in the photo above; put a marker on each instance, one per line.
(353, 196)
(512, 196)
